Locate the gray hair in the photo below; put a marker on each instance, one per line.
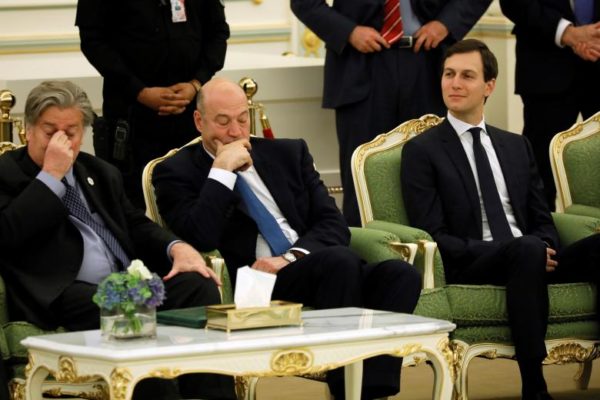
(200, 102)
(61, 94)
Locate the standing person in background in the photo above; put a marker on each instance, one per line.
(154, 57)
(557, 73)
(382, 65)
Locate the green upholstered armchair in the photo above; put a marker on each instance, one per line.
(575, 160)
(479, 311)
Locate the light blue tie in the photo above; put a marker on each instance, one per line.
(584, 11)
(267, 225)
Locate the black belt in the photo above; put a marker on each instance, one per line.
(405, 42)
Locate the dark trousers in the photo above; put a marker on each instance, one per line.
(544, 115)
(337, 277)
(520, 265)
(184, 290)
(404, 85)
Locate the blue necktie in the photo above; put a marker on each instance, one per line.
(489, 192)
(77, 208)
(584, 11)
(267, 225)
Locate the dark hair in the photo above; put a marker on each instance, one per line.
(488, 59)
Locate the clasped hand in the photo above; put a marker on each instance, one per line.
(234, 156)
(584, 40)
(168, 100)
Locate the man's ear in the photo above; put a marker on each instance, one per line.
(489, 87)
(198, 121)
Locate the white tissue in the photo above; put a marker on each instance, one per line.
(253, 288)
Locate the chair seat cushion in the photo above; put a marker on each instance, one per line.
(585, 330)
(433, 303)
(482, 305)
(17, 331)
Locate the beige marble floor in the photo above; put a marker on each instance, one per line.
(488, 379)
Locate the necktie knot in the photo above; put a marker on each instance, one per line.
(476, 134)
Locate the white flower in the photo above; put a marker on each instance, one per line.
(137, 268)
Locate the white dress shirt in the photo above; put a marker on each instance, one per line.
(466, 139)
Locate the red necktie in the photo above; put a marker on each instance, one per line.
(392, 29)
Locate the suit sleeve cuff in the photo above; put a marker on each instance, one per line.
(560, 30)
(57, 187)
(227, 178)
(174, 242)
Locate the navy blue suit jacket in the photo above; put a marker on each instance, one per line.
(205, 213)
(347, 73)
(440, 193)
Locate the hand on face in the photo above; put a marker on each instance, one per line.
(165, 100)
(59, 155)
(234, 156)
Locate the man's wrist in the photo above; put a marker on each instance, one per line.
(196, 84)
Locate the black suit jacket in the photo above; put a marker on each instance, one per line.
(41, 250)
(543, 67)
(440, 193)
(206, 214)
(347, 71)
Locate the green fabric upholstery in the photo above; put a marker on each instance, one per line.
(434, 303)
(582, 166)
(581, 209)
(481, 305)
(409, 234)
(572, 228)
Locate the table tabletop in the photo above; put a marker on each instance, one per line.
(320, 327)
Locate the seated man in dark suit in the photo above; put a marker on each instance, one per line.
(476, 190)
(52, 260)
(208, 194)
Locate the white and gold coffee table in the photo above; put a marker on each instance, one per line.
(329, 339)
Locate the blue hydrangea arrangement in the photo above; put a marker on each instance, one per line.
(129, 290)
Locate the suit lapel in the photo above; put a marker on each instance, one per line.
(456, 153)
(507, 164)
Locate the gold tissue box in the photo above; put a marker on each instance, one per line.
(227, 317)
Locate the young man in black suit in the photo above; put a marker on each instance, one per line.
(476, 190)
(52, 260)
(199, 195)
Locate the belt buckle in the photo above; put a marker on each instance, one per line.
(405, 42)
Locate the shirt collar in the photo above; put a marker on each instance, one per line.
(460, 127)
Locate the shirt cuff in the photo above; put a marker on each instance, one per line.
(174, 242)
(560, 30)
(57, 187)
(223, 176)
(301, 250)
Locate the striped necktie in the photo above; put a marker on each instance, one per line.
(392, 29)
(77, 208)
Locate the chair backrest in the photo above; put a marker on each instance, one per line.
(148, 187)
(575, 161)
(376, 171)
(8, 146)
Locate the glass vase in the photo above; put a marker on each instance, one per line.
(117, 324)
